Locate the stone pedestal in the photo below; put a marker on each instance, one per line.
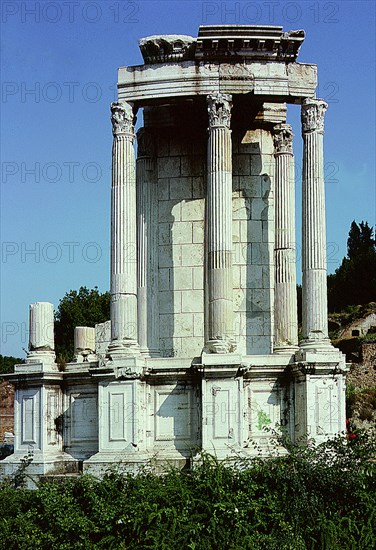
(222, 405)
(38, 403)
(285, 300)
(123, 234)
(269, 402)
(38, 428)
(315, 316)
(320, 399)
(219, 227)
(122, 421)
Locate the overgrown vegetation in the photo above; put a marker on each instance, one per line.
(313, 498)
(83, 308)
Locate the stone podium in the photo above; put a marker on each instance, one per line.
(201, 351)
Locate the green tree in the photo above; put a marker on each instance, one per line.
(354, 282)
(7, 363)
(83, 308)
(353, 241)
(360, 241)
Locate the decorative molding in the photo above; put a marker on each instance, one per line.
(127, 373)
(238, 71)
(122, 118)
(313, 111)
(283, 137)
(167, 48)
(219, 110)
(248, 41)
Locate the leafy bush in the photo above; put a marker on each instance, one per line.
(320, 497)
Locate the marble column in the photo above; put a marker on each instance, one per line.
(147, 253)
(285, 299)
(219, 227)
(41, 333)
(315, 315)
(123, 233)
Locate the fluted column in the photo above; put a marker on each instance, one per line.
(219, 226)
(147, 254)
(285, 300)
(123, 233)
(315, 315)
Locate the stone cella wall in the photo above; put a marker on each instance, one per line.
(181, 181)
(180, 175)
(253, 240)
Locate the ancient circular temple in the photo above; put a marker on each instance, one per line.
(201, 351)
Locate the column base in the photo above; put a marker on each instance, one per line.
(122, 348)
(127, 366)
(220, 346)
(39, 364)
(41, 356)
(328, 355)
(322, 344)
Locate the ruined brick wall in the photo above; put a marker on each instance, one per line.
(6, 409)
(369, 354)
(360, 325)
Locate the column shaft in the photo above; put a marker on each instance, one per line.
(219, 227)
(285, 301)
(123, 232)
(41, 333)
(315, 315)
(147, 256)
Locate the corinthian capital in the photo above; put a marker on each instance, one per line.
(283, 138)
(313, 111)
(219, 109)
(122, 118)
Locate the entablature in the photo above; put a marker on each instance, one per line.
(289, 83)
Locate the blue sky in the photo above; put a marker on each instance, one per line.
(59, 65)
